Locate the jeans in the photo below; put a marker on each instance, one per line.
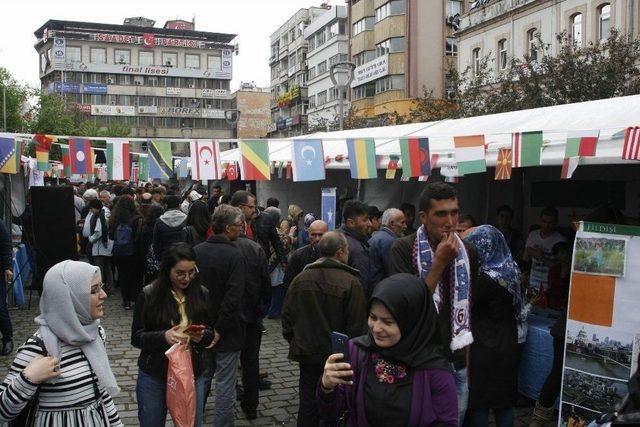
(505, 417)
(225, 380)
(5, 319)
(462, 391)
(308, 413)
(152, 400)
(277, 298)
(250, 361)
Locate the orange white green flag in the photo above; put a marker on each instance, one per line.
(470, 154)
(362, 158)
(254, 164)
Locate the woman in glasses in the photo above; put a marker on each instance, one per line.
(172, 309)
(61, 376)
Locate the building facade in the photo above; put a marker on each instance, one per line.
(328, 43)
(254, 106)
(506, 29)
(289, 101)
(170, 82)
(401, 48)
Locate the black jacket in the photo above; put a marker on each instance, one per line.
(222, 270)
(298, 261)
(168, 230)
(149, 338)
(359, 257)
(257, 288)
(266, 234)
(6, 251)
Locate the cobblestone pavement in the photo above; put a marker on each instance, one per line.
(278, 406)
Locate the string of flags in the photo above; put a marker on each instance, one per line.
(308, 159)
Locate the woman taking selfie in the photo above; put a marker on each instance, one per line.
(397, 375)
(163, 314)
(63, 371)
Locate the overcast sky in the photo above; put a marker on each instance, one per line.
(252, 20)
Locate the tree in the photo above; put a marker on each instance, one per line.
(55, 116)
(16, 98)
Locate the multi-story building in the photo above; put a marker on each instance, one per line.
(288, 60)
(505, 29)
(254, 106)
(328, 43)
(168, 82)
(401, 48)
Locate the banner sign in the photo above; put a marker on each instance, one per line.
(113, 110)
(603, 329)
(214, 93)
(94, 88)
(148, 40)
(59, 50)
(66, 87)
(329, 207)
(149, 70)
(371, 70)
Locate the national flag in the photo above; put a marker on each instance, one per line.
(362, 158)
(435, 159)
(143, 167)
(308, 160)
(254, 163)
(423, 178)
(581, 143)
(280, 166)
(526, 149)
(135, 173)
(232, 171)
(118, 163)
(569, 166)
(9, 155)
(631, 147)
(80, 156)
(392, 167)
(503, 164)
(66, 161)
(43, 145)
(288, 171)
(470, 155)
(160, 160)
(416, 160)
(183, 167)
(205, 159)
(328, 209)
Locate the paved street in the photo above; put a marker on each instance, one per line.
(278, 406)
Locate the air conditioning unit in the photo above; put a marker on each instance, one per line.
(137, 82)
(113, 103)
(192, 86)
(110, 81)
(451, 94)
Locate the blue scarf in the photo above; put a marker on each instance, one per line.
(459, 287)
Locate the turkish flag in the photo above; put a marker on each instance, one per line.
(232, 171)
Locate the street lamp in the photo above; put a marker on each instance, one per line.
(342, 76)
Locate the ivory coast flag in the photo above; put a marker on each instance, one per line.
(254, 164)
(526, 148)
(581, 143)
(470, 155)
(118, 166)
(362, 158)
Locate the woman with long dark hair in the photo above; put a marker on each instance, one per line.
(125, 226)
(101, 244)
(198, 223)
(163, 313)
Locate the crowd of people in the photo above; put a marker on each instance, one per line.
(434, 312)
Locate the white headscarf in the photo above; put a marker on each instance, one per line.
(65, 315)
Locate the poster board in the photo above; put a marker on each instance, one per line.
(603, 325)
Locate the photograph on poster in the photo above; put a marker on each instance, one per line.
(575, 416)
(600, 255)
(599, 350)
(591, 391)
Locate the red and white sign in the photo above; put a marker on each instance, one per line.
(148, 40)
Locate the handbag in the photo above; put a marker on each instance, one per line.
(27, 416)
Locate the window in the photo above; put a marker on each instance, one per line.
(124, 100)
(152, 81)
(531, 41)
(475, 57)
(124, 79)
(392, 45)
(322, 98)
(453, 7)
(393, 7)
(337, 28)
(364, 91)
(121, 56)
(322, 67)
(604, 21)
(312, 43)
(502, 54)
(192, 61)
(364, 57)
(576, 29)
(335, 93)
(214, 62)
(111, 79)
(145, 58)
(312, 101)
(341, 57)
(169, 59)
(98, 55)
(365, 24)
(451, 46)
(73, 54)
(312, 73)
(389, 83)
(320, 38)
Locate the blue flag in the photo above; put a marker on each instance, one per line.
(308, 160)
(329, 207)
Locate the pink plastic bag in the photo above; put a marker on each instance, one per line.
(181, 389)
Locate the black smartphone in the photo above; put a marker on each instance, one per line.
(340, 344)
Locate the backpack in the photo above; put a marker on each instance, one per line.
(123, 240)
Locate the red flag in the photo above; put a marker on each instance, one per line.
(232, 171)
(631, 148)
(289, 171)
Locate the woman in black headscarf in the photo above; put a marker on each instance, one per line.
(398, 375)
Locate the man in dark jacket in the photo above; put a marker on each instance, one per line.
(393, 227)
(222, 271)
(6, 277)
(355, 223)
(439, 216)
(306, 254)
(327, 296)
(256, 292)
(168, 228)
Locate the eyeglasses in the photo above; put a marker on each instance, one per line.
(95, 289)
(181, 275)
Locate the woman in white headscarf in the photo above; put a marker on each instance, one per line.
(63, 369)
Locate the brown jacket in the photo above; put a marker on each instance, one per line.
(327, 296)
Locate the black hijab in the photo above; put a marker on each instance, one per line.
(409, 302)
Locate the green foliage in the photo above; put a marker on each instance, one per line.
(16, 97)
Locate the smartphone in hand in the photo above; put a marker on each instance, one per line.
(195, 328)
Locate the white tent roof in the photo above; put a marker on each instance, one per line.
(610, 116)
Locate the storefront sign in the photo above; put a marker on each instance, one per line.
(67, 87)
(370, 71)
(289, 122)
(172, 91)
(94, 88)
(208, 113)
(179, 112)
(146, 70)
(112, 110)
(83, 108)
(148, 40)
(281, 124)
(150, 109)
(214, 93)
(59, 49)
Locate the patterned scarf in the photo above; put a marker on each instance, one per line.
(459, 286)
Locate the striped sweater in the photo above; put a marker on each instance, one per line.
(68, 400)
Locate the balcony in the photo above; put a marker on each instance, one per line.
(274, 59)
(488, 10)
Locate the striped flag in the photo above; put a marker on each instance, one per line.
(416, 160)
(9, 155)
(503, 164)
(254, 163)
(118, 164)
(80, 156)
(631, 147)
(581, 143)
(392, 167)
(526, 149)
(205, 159)
(569, 166)
(470, 154)
(66, 161)
(143, 167)
(160, 160)
(43, 145)
(362, 158)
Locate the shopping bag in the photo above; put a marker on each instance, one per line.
(181, 389)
